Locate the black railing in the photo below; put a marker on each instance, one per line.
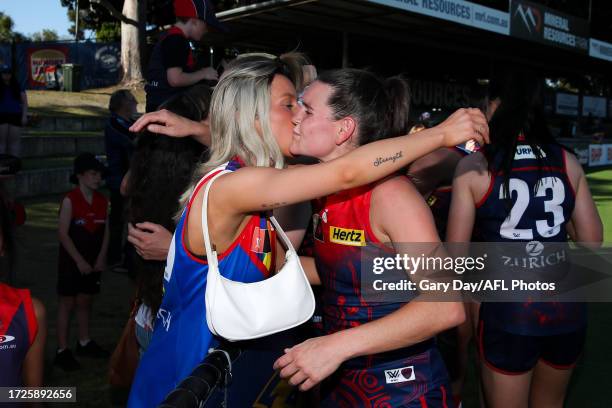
(213, 372)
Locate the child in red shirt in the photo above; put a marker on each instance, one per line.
(83, 236)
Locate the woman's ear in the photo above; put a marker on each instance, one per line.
(346, 129)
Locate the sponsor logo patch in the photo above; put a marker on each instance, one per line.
(6, 339)
(400, 375)
(346, 236)
(525, 152)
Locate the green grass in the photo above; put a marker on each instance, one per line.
(600, 183)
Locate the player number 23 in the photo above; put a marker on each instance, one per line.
(521, 188)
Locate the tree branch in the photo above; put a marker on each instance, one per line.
(114, 12)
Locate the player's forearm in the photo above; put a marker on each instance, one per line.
(413, 323)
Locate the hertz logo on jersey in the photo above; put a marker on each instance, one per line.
(345, 236)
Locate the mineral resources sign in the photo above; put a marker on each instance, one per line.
(41, 58)
(535, 22)
(457, 11)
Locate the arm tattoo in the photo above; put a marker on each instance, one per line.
(381, 160)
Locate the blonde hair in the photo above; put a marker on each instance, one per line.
(240, 100)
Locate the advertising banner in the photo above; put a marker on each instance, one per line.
(38, 62)
(457, 11)
(598, 155)
(595, 106)
(39, 58)
(541, 24)
(582, 154)
(567, 104)
(600, 49)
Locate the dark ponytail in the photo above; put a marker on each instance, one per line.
(520, 112)
(379, 107)
(398, 101)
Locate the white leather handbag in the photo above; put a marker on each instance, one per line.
(244, 311)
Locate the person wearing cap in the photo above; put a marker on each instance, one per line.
(13, 112)
(172, 66)
(83, 235)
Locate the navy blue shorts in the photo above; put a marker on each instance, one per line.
(417, 381)
(514, 354)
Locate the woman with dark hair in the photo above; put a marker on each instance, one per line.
(160, 171)
(524, 187)
(341, 111)
(13, 112)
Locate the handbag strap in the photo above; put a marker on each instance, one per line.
(212, 255)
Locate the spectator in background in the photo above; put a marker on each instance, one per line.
(119, 143)
(172, 67)
(22, 322)
(13, 112)
(83, 235)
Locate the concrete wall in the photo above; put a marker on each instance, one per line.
(49, 146)
(33, 183)
(73, 124)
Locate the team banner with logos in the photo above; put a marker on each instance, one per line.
(600, 49)
(39, 62)
(457, 11)
(541, 24)
(566, 104)
(595, 106)
(600, 155)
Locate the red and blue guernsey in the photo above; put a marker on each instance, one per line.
(18, 330)
(411, 376)
(541, 204)
(181, 337)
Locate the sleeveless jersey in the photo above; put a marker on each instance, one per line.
(157, 87)
(342, 232)
(406, 377)
(87, 227)
(18, 328)
(542, 202)
(181, 338)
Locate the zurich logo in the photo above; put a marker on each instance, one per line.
(534, 248)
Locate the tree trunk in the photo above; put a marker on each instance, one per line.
(132, 41)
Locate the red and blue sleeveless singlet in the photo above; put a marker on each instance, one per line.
(541, 204)
(18, 328)
(86, 229)
(409, 376)
(181, 337)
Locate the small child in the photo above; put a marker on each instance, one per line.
(172, 67)
(83, 236)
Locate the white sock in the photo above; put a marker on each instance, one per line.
(59, 350)
(83, 343)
